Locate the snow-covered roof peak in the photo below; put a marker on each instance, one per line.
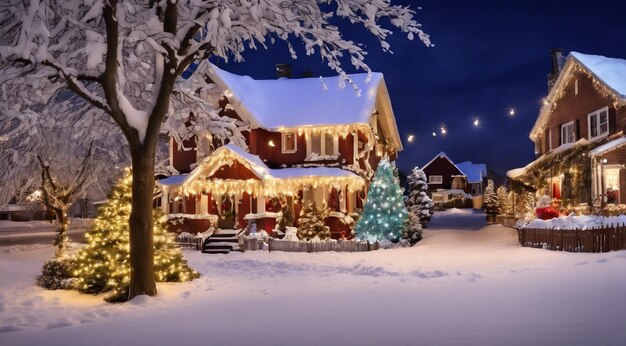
(475, 172)
(286, 103)
(611, 71)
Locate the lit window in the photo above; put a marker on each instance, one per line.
(329, 144)
(316, 143)
(435, 179)
(599, 123)
(289, 142)
(567, 133)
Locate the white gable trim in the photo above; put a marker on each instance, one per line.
(443, 155)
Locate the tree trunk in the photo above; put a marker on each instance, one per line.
(61, 239)
(142, 279)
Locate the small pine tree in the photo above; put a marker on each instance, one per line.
(286, 218)
(311, 223)
(384, 213)
(504, 208)
(418, 201)
(104, 264)
(412, 229)
(490, 200)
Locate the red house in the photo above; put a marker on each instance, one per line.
(306, 139)
(580, 133)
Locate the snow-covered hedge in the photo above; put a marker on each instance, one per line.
(577, 222)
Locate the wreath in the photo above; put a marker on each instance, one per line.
(227, 207)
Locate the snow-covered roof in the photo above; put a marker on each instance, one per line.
(612, 145)
(609, 71)
(442, 155)
(174, 180)
(274, 104)
(287, 103)
(300, 172)
(475, 172)
(517, 172)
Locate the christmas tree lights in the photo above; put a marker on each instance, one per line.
(104, 264)
(384, 213)
(311, 224)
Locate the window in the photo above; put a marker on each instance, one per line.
(576, 87)
(598, 123)
(567, 133)
(321, 146)
(289, 142)
(435, 179)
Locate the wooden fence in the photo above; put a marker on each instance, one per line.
(304, 246)
(189, 243)
(574, 240)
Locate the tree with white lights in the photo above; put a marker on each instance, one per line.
(125, 59)
(384, 212)
(418, 201)
(490, 200)
(104, 264)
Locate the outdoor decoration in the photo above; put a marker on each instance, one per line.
(311, 222)
(384, 213)
(412, 229)
(103, 265)
(490, 202)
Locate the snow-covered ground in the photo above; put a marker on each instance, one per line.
(454, 287)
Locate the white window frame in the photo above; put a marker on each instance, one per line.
(571, 123)
(433, 181)
(597, 114)
(283, 142)
(323, 145)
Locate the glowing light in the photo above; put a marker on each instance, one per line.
(476, 122)
(434, 134)
(443, 130)
(512, 112)
(271, 143)
(410, 138)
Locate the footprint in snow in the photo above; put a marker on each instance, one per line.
(185, 294)
(581, 263)
(60, 324)
(603, 260)
(9, 328)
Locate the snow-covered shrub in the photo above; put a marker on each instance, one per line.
(615, 209)
(56, 274)
(490, 200)
(418, 202)
(504, 207)
(291, 234)
(412, 229)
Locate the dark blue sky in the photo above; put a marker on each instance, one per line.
(488, 56)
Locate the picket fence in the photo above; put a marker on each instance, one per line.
(304, 246)
(600, 239)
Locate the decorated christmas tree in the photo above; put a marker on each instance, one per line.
(286, 219)
(418, 201)
(104, 264)
(490, 200)
(504, 208)
(384, 213)
(311, 223)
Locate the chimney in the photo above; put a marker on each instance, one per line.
(557, 64)
(283, 70)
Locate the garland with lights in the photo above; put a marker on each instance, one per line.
(384, 213)
(104, 264)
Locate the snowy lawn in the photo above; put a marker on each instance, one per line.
(454, 287)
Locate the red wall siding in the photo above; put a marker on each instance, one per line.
(443, 167)
(183, 159)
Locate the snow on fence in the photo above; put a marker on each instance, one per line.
(188, 241)
(600, 239)
(308, 246)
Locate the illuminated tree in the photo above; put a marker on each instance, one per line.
(384, 213)
(104, 264)
(311, 224)
(490, 200)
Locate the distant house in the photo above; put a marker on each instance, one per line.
(445, 178)
(579, 135)
(476, 174)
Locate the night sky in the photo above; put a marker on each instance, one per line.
(489, 56)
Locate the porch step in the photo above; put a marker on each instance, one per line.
(222, 241)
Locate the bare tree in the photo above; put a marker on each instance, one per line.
(133, 52)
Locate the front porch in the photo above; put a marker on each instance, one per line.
(232, 188)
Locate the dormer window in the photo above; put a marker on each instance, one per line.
(289, 142)
(567, 133)
(598, 123)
